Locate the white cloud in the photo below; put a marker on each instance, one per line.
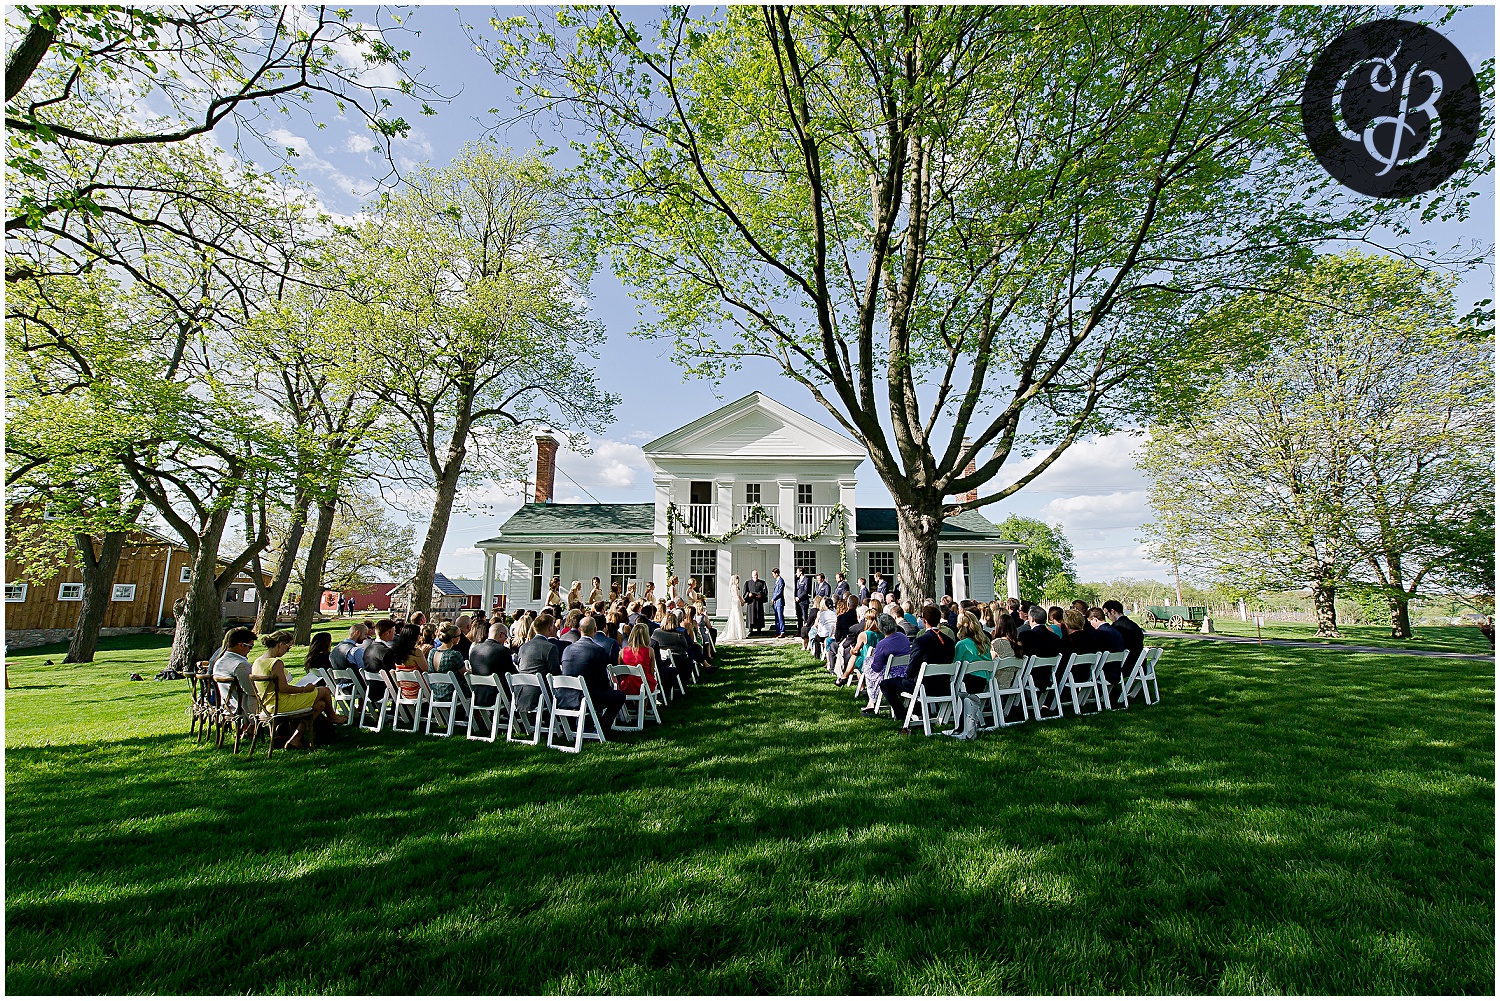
(307, 158)
(613, 466)
(1092, 464)
(356, 143)
(1098, 512)
(464, 551)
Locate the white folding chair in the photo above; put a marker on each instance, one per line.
(348, 691)
(386, 699)
(1051, 696)
(1101, 674)
(1007, 689)
(1143, 675)
(450, 705)
(664, 659)
(501, 704)
(402, 698)
(919, 696)
(532, 720)
(685, 665)
(1080, 690)
(895, 660)
(581, 715)
(632, 715)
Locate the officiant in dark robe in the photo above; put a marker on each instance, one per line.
(755, 603)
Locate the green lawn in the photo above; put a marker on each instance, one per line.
(1285, 820)
(1455, 639)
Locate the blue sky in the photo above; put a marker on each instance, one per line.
(1093, 491)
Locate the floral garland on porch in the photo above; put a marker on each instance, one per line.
(759, 513)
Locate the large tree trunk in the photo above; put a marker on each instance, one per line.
(1400, 617)
(200, 615)
(437, 532)
(1328, 620)
(312, 574)
(270, 599)
(98, 586)
(917, 531)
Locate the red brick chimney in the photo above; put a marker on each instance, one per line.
(971, 495)
(546, 467)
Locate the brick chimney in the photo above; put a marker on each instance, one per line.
(971, 495)
(546, 467)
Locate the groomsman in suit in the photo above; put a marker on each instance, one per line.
(821, 588)
(864, 591)
(778, 601)
(880, 588)
(801, 588)
(841, 586)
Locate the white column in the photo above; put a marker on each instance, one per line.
(663, 484)
(487, 600)
(787, 510)
(723, 522)
(846, 498)
(1012, 575)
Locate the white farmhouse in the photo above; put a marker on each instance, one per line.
(746, 477)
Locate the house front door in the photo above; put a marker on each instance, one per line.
(747, 558)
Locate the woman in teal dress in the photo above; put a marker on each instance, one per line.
(972, 646)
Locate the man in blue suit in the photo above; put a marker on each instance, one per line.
(821, 588)
(588, 660)
(778, 601)
(801, 592)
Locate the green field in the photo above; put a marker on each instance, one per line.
(1453, 639)
(1285, 820)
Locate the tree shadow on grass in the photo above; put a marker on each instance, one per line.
(1233, 837)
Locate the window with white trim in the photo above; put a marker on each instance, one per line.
(186, 574)
(536, 577)
(70, 592)
(622, 569)
(16, 592)
(806, 560)
(752, 493)
(883, 561)
(123, 592)
(704, 565)
(804, 493)
(557, 572)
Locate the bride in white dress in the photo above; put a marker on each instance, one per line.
(734, 628)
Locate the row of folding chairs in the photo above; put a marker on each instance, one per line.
(232, 712)
(526, 706)
(1011, 695)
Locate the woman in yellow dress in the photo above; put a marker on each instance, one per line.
(595, 595)
(554, 593)
(273, 687)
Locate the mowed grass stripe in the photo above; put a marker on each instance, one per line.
(1284, 821)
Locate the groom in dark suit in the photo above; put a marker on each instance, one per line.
(755, 603)
(778, 601)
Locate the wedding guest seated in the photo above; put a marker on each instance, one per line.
(1007, 642)
(273, 687)
(973, 645)
(318, 653)
(930, 647)
(1039, 640)
(491, 658)
(909, 623)
(637, 652)
(464, 624)
(570, 633)
(862, 646)
(447, 658)
(587, 660)
(1055, 620)
(824, 627)
(668, 638)
(1108, 635)
(893, 643)
(1079, 638)
(539, 655)
(233, 660)
(349, 652)
(1082, 608)
(608, 637)
(1134, 636)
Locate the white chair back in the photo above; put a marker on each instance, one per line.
(524, 686)
(480, 683)
(572, 722)
(934, 708)
(449, 704)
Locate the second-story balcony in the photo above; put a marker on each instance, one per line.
(810, 518)
(759, 527)
(700, 518)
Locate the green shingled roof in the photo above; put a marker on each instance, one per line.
(632, 524)
(626, 524)
(878, 524)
